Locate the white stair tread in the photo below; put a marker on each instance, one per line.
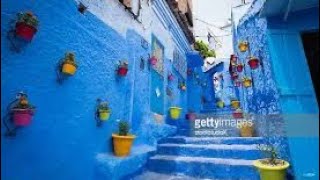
(149, 175)
(214, 138)
(230, 162)
(214, 146)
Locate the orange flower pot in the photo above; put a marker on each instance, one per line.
(247, 83)
(243, 46)
(69, 69)
(122, 144)
(235, 104)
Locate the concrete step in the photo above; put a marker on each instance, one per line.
(236, 151)
(203, 167)
(213, 140)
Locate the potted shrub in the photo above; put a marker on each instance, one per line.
(220, 103)
(122, 68)
(69, 65)
(170, 77)
(247, 82)
(235, 103)
(26, 25)
(175, 112)
(237, 114)
(153, 61)
(122, 141)
(253, 62)
(243, 46)
(104, 111)
(190, 115)
(240, 67)
(246, 129)
(271, 167)
(22, 112)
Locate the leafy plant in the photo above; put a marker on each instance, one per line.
(28, 18)
(23, 103)
(123, 128)
(272, 155)
(70, 59)
(104, 107)
(204, 50)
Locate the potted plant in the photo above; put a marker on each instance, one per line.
(122, 68)
(247, 82)
(170, 77)
(238, 114)
(253, 62)
(220, 103)
(235, 103)
(122, 141)
(26, 25)
(190, 115)
(271, 167)
(104, 111)
(246, 129)
(182, 86)
(240, 67)
(153, 60)
(22, 112)
(175, 112)
(243, 46)
(69, 65)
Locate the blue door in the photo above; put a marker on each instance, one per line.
(297, 99)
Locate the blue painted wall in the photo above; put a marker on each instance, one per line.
(63, 140)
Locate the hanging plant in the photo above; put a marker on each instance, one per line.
(122, 68)
(247, 82)
(22, 112)
(153, 61)
(26, 25)
(170, 77)
(220, 103)
(237, 114)
(240, 67)
(253, 62)
(69, 65)
(243, 46)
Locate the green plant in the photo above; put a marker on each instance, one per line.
(104, 107)
(28, 18)
(70, 59)
(23, 103)
(123, 128)
(272, 154)
(204, 50)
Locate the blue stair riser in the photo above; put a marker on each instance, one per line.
(245, 141)
(212, 153)
(204, 170)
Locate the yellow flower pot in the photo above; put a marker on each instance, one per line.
(220, 104)
(122, 144)
(247, 83)
(243, 46)
(68, 69)
(268, 172)
(104, 115)
(246, 131)
(235, 104)
(175, 112)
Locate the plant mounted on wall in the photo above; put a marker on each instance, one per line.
(247, 82)
(26, 25)
(235, 103)
(240, 67)
(82, 8)
(175, 112)
(122, 141)
(272, 167)
(66, 67)
(203, 48)
(102, 111)
(220, 103)
(253, 62)
(238, 114)
(243, 46)
(122, 68)
(19, 114)
(182, 86)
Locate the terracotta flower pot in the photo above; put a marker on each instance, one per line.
(122, 71)
(254, 63)
(22, 117)
(25, 31)
(240, 67)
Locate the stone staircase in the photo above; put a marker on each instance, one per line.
(224, 158)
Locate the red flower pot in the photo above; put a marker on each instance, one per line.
(190, 116)
(239, 67)
(237, 115)
(153, 61)
(25, 31)
(122, 71)
(22, 117)
(253, 63)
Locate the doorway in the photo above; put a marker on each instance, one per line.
(311, 47)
